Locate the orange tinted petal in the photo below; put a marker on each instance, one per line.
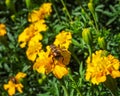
(60, 71)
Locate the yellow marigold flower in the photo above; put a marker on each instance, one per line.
(60, 70)
(45, 9)
(34, 47)
(40, 26)
(41, 62)
(35, 39)
(2, 29)
(34, 16)
(101, 66)
(62, 60)
(41, 13)
(47, 63)
(11, 87)
(58, 67)
(63, 39)
(56, 57)
(31, 31)
(27, 34)
(33, 51)
(14, 84)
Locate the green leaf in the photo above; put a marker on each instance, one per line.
(7, 67)
(45, 94)
(111, 20)
(108, 13)
(58, 28)
(72, 92)
(99, 7)
(75, 42)
(26, 68)
(113, 9)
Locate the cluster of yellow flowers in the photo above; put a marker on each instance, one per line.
(100, 66)
(2, 29)
(54, 59)
(31, 35)
(57, 55)
(15, 84)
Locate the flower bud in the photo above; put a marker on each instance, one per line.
(40, 81)
(101, 42)
(10, 5)
(91, 22)
(13, 17)
(43, 77)
(83, 11)
(87, 36)
(90, 6)
(28, 3)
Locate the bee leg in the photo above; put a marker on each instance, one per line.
(52, 59)
(62, 59)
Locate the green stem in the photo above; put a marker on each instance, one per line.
(66, 10)
(111, 84)
(75, 57)
(28, 3)
(76, 86)
(90, 52)
(95, 20)
(64, 88)
(94, 26)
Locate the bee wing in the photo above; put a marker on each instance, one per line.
(66, 56)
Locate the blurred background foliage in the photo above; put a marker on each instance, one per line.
(77, 17)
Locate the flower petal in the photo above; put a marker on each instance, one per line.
(60, 71)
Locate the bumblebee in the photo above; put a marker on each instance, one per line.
(13, 79)
(56, 52)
